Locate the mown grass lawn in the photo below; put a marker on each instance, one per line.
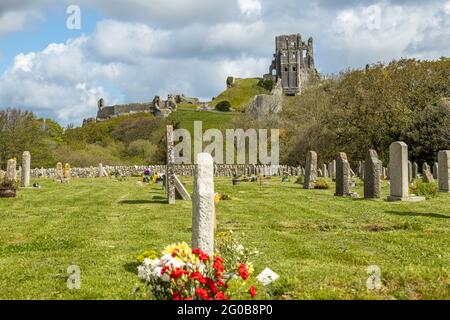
(320, 245)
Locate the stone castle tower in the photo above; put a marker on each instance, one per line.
(293, 63)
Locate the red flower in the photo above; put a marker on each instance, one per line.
(198, 276)
(221, 283)
(176, 296)
(202, 293)
(212, 286)
(243, 271)
(164, 269)
(202, 255)
(177, 273)
(252, 291)
(217, 265)
(218, 259)
(174, 253)
(221, 296)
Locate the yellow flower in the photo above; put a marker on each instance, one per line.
(217, 197)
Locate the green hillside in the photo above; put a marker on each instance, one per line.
(241, 93)
(210, 119)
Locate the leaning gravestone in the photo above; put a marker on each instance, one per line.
(425, 167)
(203, 204)
(26, 169)
(170, 175)
(398, 170)
(372, 175)
(311, 170)
(180, 190)
(427, 176)
(444, 170)
(342, 175)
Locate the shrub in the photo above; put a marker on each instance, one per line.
(425, 189)
(321, 184)
(300, 180)
(266, 84)
(224, 106)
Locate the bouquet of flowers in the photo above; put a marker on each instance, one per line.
(183, 273)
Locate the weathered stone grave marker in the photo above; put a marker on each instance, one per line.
(398, 170)
(203, 204)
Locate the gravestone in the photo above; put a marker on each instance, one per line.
(398, 170)
(427, 176)
(372, 180)
(203, 204)
(410, 178)
(361, 167)
(415, 170)
(332, 170)
(310, 170)
(8, 180)
(425, 167)
(180, 191)
(26, 169)
(325, 171)
(170, 174)
(444, 170)
(102, 171)
(436, 170)
(59, 172)
(342, 175)
(67, 172)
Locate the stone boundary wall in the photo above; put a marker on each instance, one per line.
(181, 170)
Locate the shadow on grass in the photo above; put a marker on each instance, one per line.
(419, 214)
(131, 267)
(153, 200)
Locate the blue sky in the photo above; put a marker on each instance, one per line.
(129, 51)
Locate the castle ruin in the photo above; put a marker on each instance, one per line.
(293, 63)
(157, 107)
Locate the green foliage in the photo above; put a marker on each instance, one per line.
(426, 189)
(20, 131)
(266, 84)
(321, 184)
(367, 109)
(300, 180)
(224, 106)
(241, 94)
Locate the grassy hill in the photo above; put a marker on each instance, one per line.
(210, 119)
(241, 93)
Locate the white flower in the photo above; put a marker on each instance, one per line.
(165, 277)
(240, 248)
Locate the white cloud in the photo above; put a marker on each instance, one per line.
(394, 33)
(447, 7)
(250, 7)
(129, 60)
(145, 48)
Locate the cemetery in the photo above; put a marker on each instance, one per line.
(281, 165)
(318, 243)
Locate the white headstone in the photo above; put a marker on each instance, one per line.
(203, 204)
